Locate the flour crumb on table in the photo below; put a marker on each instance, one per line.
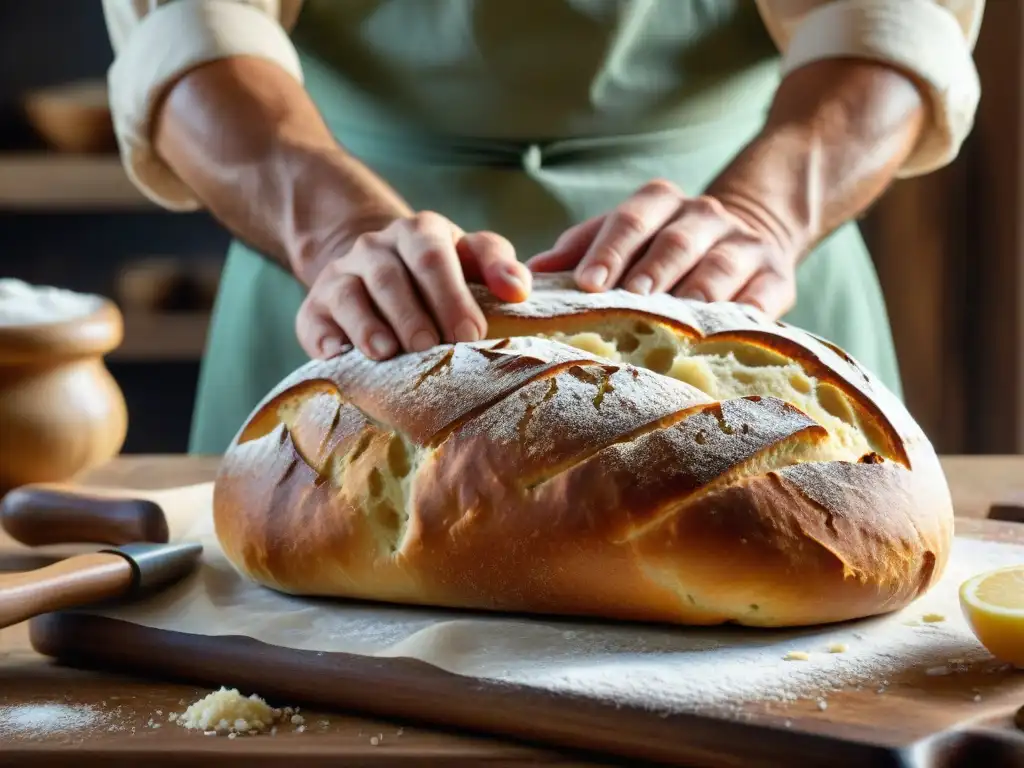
(797, 656)
(227, 711)
(933, 618)
(838, 648)
(822, 705)
(48, 719)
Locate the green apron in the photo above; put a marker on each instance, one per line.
(526, 118)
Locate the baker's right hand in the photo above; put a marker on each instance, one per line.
(404, 288)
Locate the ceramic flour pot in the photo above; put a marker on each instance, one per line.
(61, 412)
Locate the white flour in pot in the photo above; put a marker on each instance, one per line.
(49, 719)
(25, 304)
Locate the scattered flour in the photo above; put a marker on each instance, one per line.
(45, 720)
(721, 669)
(24, 304)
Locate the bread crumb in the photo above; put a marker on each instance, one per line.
(797, 656)
(933, 618)
(228, 711)
(937, 671)
(374, 741)
(822, 705)
(838, 648)
(977, 698)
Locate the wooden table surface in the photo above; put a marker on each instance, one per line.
(130, 707)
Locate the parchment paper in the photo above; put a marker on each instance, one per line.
(664, 668)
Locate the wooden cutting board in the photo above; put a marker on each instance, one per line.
(918, 721)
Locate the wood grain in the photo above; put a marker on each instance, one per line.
(995, 240)
(887, 724)
(918, 719)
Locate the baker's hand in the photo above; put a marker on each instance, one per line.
(660, 240)
(405, 288)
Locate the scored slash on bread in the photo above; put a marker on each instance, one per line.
(611, 455)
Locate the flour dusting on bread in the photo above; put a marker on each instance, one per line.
(601, 454)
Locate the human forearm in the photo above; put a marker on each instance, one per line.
(837, 134)
(246, 138)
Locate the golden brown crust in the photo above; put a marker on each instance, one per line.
(521, 474)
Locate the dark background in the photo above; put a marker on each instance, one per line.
(50, 42)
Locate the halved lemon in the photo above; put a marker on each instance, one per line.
(993, 603)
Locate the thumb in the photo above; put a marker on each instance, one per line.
(569, 249)
(490, 259)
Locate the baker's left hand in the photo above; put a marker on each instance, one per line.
(660, 240)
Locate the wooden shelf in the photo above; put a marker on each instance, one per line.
(59, 182)
(171, 337)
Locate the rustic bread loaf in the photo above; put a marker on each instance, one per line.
(612, 455)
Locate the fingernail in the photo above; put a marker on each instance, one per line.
(382, 344)
(594, 277)
(422, 341)
(466, 330)
(514, 278)
(330, 347)
(694, 293)
(641, 284)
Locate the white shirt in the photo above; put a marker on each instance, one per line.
(156, 41)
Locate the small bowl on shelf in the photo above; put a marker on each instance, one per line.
(73, 118)
(167, 284)
(61, 411)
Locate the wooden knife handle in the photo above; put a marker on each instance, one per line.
(50, 513)
(71, 583)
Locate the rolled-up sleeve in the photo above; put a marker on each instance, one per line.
(931, 40)
(155, 42)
